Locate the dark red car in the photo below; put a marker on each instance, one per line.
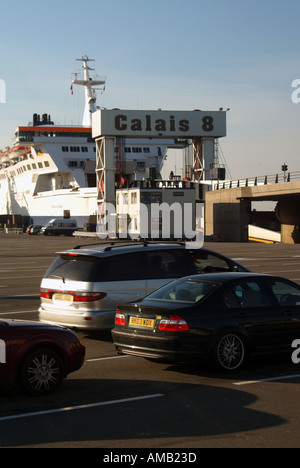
(28, 229)
(38, 356)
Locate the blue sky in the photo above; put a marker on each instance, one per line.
(167, 54)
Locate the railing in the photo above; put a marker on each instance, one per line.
(254, 181)
(13, 230)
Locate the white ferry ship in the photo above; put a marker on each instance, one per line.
(50, 170)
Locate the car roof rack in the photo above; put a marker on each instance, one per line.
(119, 243)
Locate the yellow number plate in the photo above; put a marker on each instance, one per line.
(141, 322)
(62, 297)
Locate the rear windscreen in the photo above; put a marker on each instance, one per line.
(125, 267)
(79, 268)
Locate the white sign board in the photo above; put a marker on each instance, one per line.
(158, 124)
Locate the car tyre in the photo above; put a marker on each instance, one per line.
(41, 372)
(230, 352)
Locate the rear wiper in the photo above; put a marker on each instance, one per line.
(57, 276)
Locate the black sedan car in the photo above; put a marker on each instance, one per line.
(222, 316)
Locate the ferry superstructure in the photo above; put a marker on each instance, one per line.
(50, 170)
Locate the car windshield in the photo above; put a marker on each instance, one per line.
(187, 291)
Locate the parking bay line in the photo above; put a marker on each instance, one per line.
(18, 312)
(272, 379)
(106, 358)
(33, 295)
(5, 270)
(74, 408)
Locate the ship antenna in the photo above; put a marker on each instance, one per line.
(90, 91)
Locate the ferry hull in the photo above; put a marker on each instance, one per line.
(44, 206)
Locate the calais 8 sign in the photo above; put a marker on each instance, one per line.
(162, 124)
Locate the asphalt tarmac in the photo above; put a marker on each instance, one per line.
(117, 402)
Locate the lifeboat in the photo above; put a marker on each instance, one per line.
(4, 158)
(18, 153)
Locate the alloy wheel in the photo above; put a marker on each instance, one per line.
(42, 372)
(230, 353)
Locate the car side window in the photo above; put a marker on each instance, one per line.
(247, 295)
(230, 300)
(168, 264)
(206, 262)
(125, 267)
(285, 293)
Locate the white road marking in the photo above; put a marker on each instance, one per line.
(273, 379)
(107, 358)
(18, 312)
(34, 295)
(5, 270)
(19, 277)
(74, 408)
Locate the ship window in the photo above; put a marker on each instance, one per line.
(146, 150)
(84, 149)
(33, 166)
(133, 197)
(40, 165)
(72, 163)
(65, 149)
(47, 164)
(29, 167)
(140, 165)
(74, 149)
(127, 150)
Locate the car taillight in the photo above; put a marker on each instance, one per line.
(46, 293)
(119, 318)
(173, 323)
(87, 297)
(76, 296)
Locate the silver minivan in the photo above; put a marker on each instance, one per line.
(83, 286)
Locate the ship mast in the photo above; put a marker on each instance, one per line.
(90, 92)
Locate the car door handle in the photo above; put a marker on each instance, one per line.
(288, 312)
